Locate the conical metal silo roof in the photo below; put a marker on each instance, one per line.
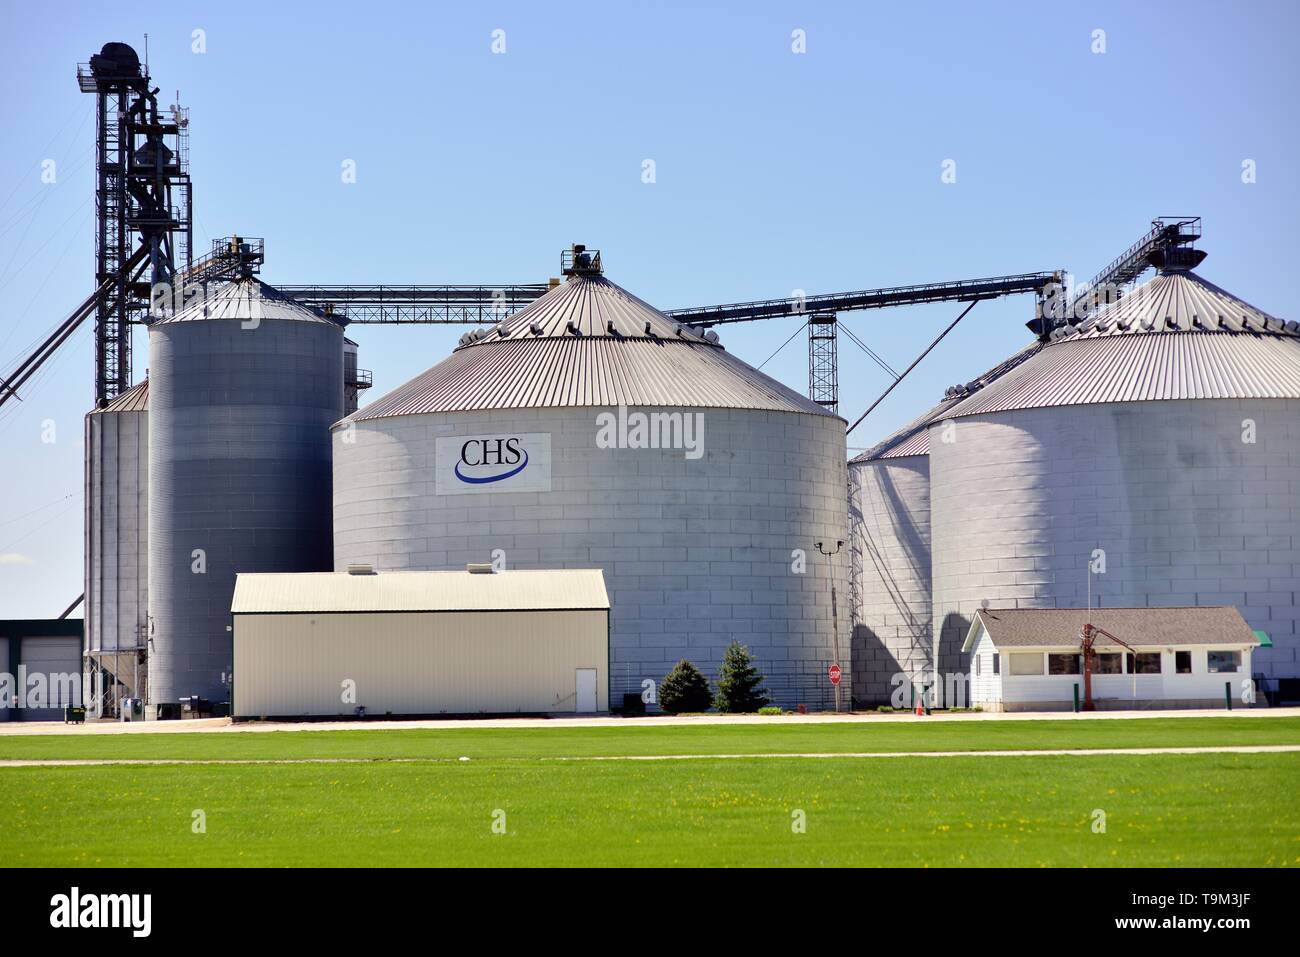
(245, 299)
(1178, 336)
(588, 342)
(134, 399)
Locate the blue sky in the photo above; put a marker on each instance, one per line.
(775, 171)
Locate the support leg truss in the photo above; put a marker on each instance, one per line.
(823, 363)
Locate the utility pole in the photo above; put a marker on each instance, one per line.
(835, 615)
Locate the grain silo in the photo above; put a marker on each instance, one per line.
(889, 507)
(1158, 440)
(589, 430)
(244, 386)
(117, 545)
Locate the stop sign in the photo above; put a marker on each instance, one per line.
(835, 674)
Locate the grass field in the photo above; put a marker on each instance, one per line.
(1160, 810)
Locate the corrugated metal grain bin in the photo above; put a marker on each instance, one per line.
(889, 505)
(117, 543)
(591, 430)
(1148, 456)
(243, 389)
(421, 643)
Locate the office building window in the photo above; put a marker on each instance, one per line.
(1145, 663)
(1063, 664)
(1223, 662)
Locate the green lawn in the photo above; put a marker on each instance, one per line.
(1161, 810)
(647, 737)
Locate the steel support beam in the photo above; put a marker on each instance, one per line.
(823, 363)
(422, 305)
(968, 290)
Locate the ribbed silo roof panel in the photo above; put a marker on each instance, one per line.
(1156, 366)
(134, 399)
(586, 343)
(245, 300)
(1179, 302)
(1176, 337)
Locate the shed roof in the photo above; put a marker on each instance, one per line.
(1140, 627)
(568, 589)
(588, 342)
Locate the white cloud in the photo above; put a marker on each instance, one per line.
(14, 558)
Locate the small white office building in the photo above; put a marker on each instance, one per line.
(360, 643)
(1029, 659)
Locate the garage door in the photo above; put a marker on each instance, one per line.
(59, 660)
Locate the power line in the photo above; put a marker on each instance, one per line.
(39, 508)
(72, 241)
(73, 236)
(31, 532)
(18, 181)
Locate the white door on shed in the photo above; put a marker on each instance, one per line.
(586, 682)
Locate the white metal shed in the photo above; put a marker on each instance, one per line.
(421, 643)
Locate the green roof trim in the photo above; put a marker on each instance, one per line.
(1264, 640)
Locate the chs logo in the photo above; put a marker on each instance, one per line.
(505, 453)
(510, 462)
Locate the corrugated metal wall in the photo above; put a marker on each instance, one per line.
(1187, 510)
(117, 529)
(239, 469)
(695, 553)
(418, 663)
(890, 509)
